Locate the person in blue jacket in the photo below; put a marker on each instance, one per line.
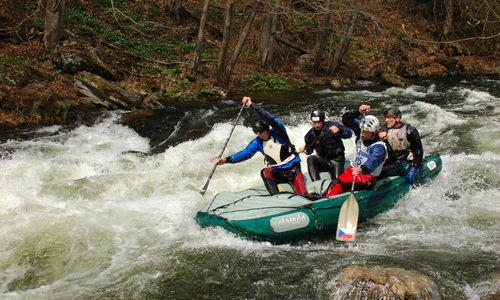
(368, 156)
(325, 138)
(272, 140)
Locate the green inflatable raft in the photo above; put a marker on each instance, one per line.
(287, 217)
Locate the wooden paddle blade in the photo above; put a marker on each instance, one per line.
(348, 220)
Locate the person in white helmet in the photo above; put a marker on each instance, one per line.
(368, 156)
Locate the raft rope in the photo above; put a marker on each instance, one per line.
(213, 211)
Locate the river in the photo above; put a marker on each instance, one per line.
(95, 213)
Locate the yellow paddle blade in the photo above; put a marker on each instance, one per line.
(280, 189)
(348, 220)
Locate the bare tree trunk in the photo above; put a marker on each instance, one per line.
(346, 37)
(228, 19)
(267, 38)
(267, 21)
(411, 7)
(174, 8)
(324, 36)
(448, 23)
(201, 35)
(241, 41)
(55, 14)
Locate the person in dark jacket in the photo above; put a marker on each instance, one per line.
(368, 157)
(272, 140)
(404, 146)
(325, 138)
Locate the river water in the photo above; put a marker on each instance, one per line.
(94, 213)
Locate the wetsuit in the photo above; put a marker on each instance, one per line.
(329, 148)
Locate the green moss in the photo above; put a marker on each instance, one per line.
(15, 60)
(208, 91)
(262, 82)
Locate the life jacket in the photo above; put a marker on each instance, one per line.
(398, 139)
(277, 154)
(364, 152)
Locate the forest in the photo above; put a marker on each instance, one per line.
(191, 50)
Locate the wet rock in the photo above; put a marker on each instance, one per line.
(305, 63)
(103, 93)
(360, 282)
(176, 123)
(335, 83)
(394, 79)
(488, 287)
(157, 125)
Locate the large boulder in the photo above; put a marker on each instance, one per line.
(393, 79)
(103, 93)
(73, 62)
(305, 62)
(488, 287)
(361, 282)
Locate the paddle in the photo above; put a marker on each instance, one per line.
(204, 188)
(349, 212)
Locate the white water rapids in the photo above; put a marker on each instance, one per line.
(86, 214)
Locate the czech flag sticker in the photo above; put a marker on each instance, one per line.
(346, 233)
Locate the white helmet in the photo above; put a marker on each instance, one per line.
(371, 124)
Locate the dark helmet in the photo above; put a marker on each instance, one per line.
(317, 115)
(392, 112)
(259, 125)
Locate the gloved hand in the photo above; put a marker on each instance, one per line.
(410, 177)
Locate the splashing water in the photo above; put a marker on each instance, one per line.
(91, 214)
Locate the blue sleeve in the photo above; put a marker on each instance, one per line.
(253, 147)
(345, 132)
(351, 121)
(375, 158)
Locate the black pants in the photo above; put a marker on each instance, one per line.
(292, 176)
(317, 164)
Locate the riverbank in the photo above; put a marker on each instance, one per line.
(37, 88)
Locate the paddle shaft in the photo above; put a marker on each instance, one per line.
(348, 215)
(358, 152)
(204, 188)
